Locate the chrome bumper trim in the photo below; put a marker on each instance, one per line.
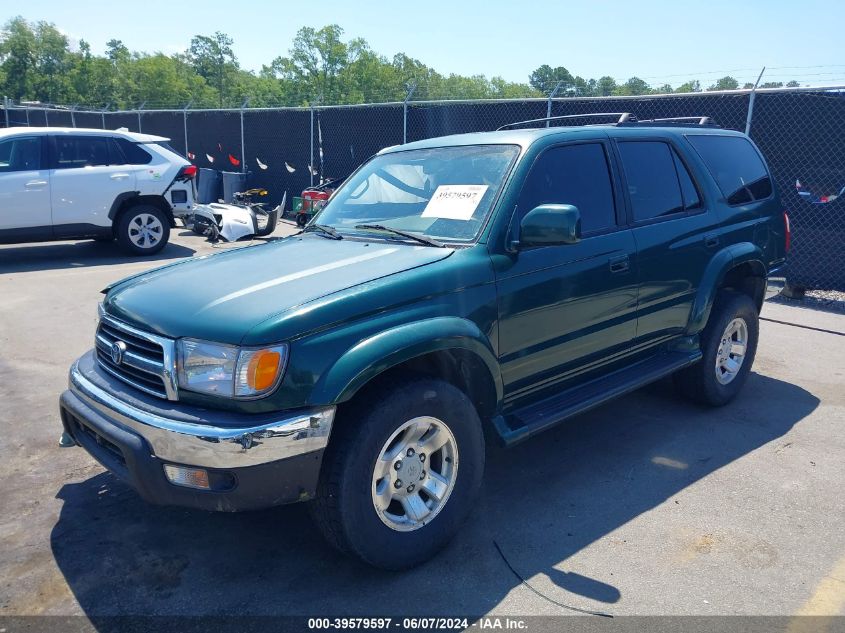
(208, 445)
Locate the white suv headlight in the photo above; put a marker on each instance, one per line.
(227, 370)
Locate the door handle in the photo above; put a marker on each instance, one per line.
(711, 240)
(619, 264)
(36, 184)
(120, 176)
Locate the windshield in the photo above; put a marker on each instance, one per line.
(444, 193)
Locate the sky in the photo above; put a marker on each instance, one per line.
(661, 41)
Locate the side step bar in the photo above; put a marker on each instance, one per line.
(524, 423)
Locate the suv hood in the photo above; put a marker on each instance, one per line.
(223, 296)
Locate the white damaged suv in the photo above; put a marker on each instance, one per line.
(74, 183)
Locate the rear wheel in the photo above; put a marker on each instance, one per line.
(728, 346)
(401, 475)
(143, 230)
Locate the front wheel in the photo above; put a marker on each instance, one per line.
(401, 475)
(728, 346)
(143, 230)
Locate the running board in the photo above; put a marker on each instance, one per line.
(527, 422)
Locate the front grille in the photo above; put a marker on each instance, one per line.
(145, 362)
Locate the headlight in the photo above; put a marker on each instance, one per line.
(229, 371)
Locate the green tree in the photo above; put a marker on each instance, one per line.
(51, 60)
(17, 58)
(213, 60)
(634, 86)
(691, 86)
(315, 62)
(606, 86)
(725, 83)
(545, 78)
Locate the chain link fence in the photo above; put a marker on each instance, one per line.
(800, 131)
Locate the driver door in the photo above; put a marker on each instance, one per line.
(564, 309)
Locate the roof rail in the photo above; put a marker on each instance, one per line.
(621, 117)
(680, 120)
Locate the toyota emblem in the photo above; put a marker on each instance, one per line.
(118, 349)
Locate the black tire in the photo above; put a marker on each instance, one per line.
(132, 219)
(344, 509)
(699, 382)
(301, 220)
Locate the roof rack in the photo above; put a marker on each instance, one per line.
(621, 117)
(680, 120)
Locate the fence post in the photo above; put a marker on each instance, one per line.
(72, 116)
(751, 102)
(552, 95)
(243, 144)
(311, 164)
(6, 109)
(185, 125)
(46, 118)
(103, 114)
(411, 87)
(27, 116)
(141, 107)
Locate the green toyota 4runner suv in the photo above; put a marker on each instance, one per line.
(454, 291)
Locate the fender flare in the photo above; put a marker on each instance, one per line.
(389, 348)
(722, 262)
(119, 200)
(156, 200)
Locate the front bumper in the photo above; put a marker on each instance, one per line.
(253, 461)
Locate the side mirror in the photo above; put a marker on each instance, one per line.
(550, 224)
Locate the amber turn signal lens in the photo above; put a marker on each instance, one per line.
(262, 370)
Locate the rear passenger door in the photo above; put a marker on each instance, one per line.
(88, 173)
(676, 233)
(564, 309)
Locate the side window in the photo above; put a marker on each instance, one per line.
(134, 153)
(81, 151)
(652, 178)
(735, 165)
(20, 154)
(577, 175)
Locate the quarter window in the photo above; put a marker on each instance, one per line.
(576, 175)
(20, 154)
(735, 165)
(133, 152)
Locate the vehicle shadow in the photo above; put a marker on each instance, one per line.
(83, 254)
(543, 501)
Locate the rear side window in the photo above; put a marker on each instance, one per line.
(133, 152)
(735, 165)
(654, 175)
(82, 151)
(20, 154)
(577, 175)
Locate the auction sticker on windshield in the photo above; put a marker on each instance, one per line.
(454, 202)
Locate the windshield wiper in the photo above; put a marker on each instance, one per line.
(323, 229)
(411, 236)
